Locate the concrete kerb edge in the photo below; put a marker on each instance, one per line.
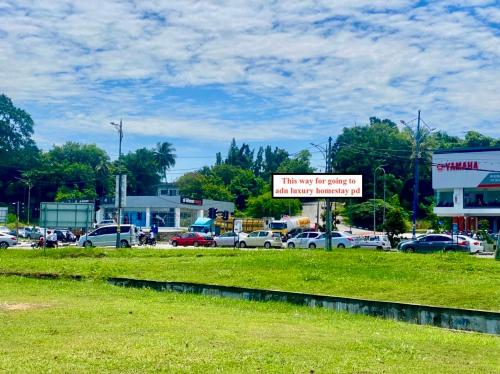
(444, 317)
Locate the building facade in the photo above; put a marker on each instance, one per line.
(466, 184)
(167, 210)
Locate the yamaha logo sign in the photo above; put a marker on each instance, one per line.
(459, 165)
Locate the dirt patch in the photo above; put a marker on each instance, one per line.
(21, 306)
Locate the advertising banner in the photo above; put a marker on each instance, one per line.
(316, 185)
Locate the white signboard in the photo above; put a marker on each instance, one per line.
(238, 226)
(64, 215)
(124, 190)
(317, 185)
(465, 169)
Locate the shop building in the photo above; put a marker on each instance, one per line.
(466, 184)
(168, 210)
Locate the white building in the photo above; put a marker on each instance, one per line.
(466, 183)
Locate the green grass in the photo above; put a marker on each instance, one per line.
(64, 326)
(449, 279)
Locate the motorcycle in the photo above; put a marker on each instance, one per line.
(146, 239)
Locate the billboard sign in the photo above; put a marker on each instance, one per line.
(64, 215)
(467, 169)
(187, 200)
(316, 185)
(124, 190)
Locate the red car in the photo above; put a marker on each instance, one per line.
(192, 238)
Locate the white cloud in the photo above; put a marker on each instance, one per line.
(307, 62)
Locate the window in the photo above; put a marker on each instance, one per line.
(444, 198)
(124, 228)
(253, 234)
(336, 235)
(301, 236)
(481, 198)
(262, 234)
(312, 235)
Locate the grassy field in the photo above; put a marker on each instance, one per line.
(447, 279)
(90, 326)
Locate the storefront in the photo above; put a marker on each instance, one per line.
(466, 183)
(166, 212)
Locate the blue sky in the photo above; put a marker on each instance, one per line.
(284, 73)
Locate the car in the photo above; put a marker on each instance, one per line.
(192, 238)
(228, 239)
(4, 229)
(433, 243)
(35, 232)
(374, 241)
(106, 236)
(7, 240)
(302, 240)
(262, 238)
(475, 245)
(65, 236)
(105, 222)
(339, 240)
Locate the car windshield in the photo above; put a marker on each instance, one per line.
(278, 225)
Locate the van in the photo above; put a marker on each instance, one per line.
(106, 237)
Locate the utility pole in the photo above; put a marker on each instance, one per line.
(119, 127)
(416, 178)
(328, 238)
(374, 197)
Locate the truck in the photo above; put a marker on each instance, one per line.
(219, 226)
(286, 224)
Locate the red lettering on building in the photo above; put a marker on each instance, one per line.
(457, 165)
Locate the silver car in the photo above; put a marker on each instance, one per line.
(302, 239)
(261, 238)
(339, 240)
(228, 239)
(106, 237)
(375, 241)
(7, 240)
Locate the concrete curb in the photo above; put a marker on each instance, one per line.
(451, 318)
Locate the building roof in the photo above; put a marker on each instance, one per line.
(467, 150)
(172, 202)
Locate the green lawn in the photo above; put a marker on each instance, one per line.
(447, 279)
(65, 326)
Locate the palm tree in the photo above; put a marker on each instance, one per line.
(165, 157)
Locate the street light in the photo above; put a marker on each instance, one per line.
(374, 196)
(119, 127)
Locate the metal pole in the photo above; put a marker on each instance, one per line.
(317, 216)
(383, 217)
(119, 218)
(415, 187)
(328, 238)
(17, 222)
(374, 194)
(29, 201)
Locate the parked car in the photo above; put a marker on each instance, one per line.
(65, 236)
(475, 245)
(4, 229)
(106, 237)
(302, 239)
(295, 231)
(35, 232)
(228, 239)
(433, 243)
(7, 240)
(192, 238)
(262, 238)
(339, 240)
(375, 241)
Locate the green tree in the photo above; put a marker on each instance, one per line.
(396, 223)
(143, 171)
(165, 157)
(265, 206)
(300, 163)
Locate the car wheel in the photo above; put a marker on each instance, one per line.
(267, 245)
(291, 245)
(174, 243)
(87, 244)
(123, 244)
(379, 248)
(196, 244)
(214, 244)
(410, 249)
(312, 246)
(242, 245)
(341, 245)
(4, 245)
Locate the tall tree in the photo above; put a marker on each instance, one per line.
(165, 157)
(143, 171)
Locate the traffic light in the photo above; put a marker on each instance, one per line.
(212, 213)
(97, 204)
(225, 215)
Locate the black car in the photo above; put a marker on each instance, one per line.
(434, 243)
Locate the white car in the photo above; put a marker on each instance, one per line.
(4, 229)
(339, 240)
(106, 237)
(105, 222)
(475, 245)
(228, 239)
(302, 239)
(375, 241)
(7, 240)
(262, 238)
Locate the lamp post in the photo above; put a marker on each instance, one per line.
(119, 127)
(327, 154)
(374, 196)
